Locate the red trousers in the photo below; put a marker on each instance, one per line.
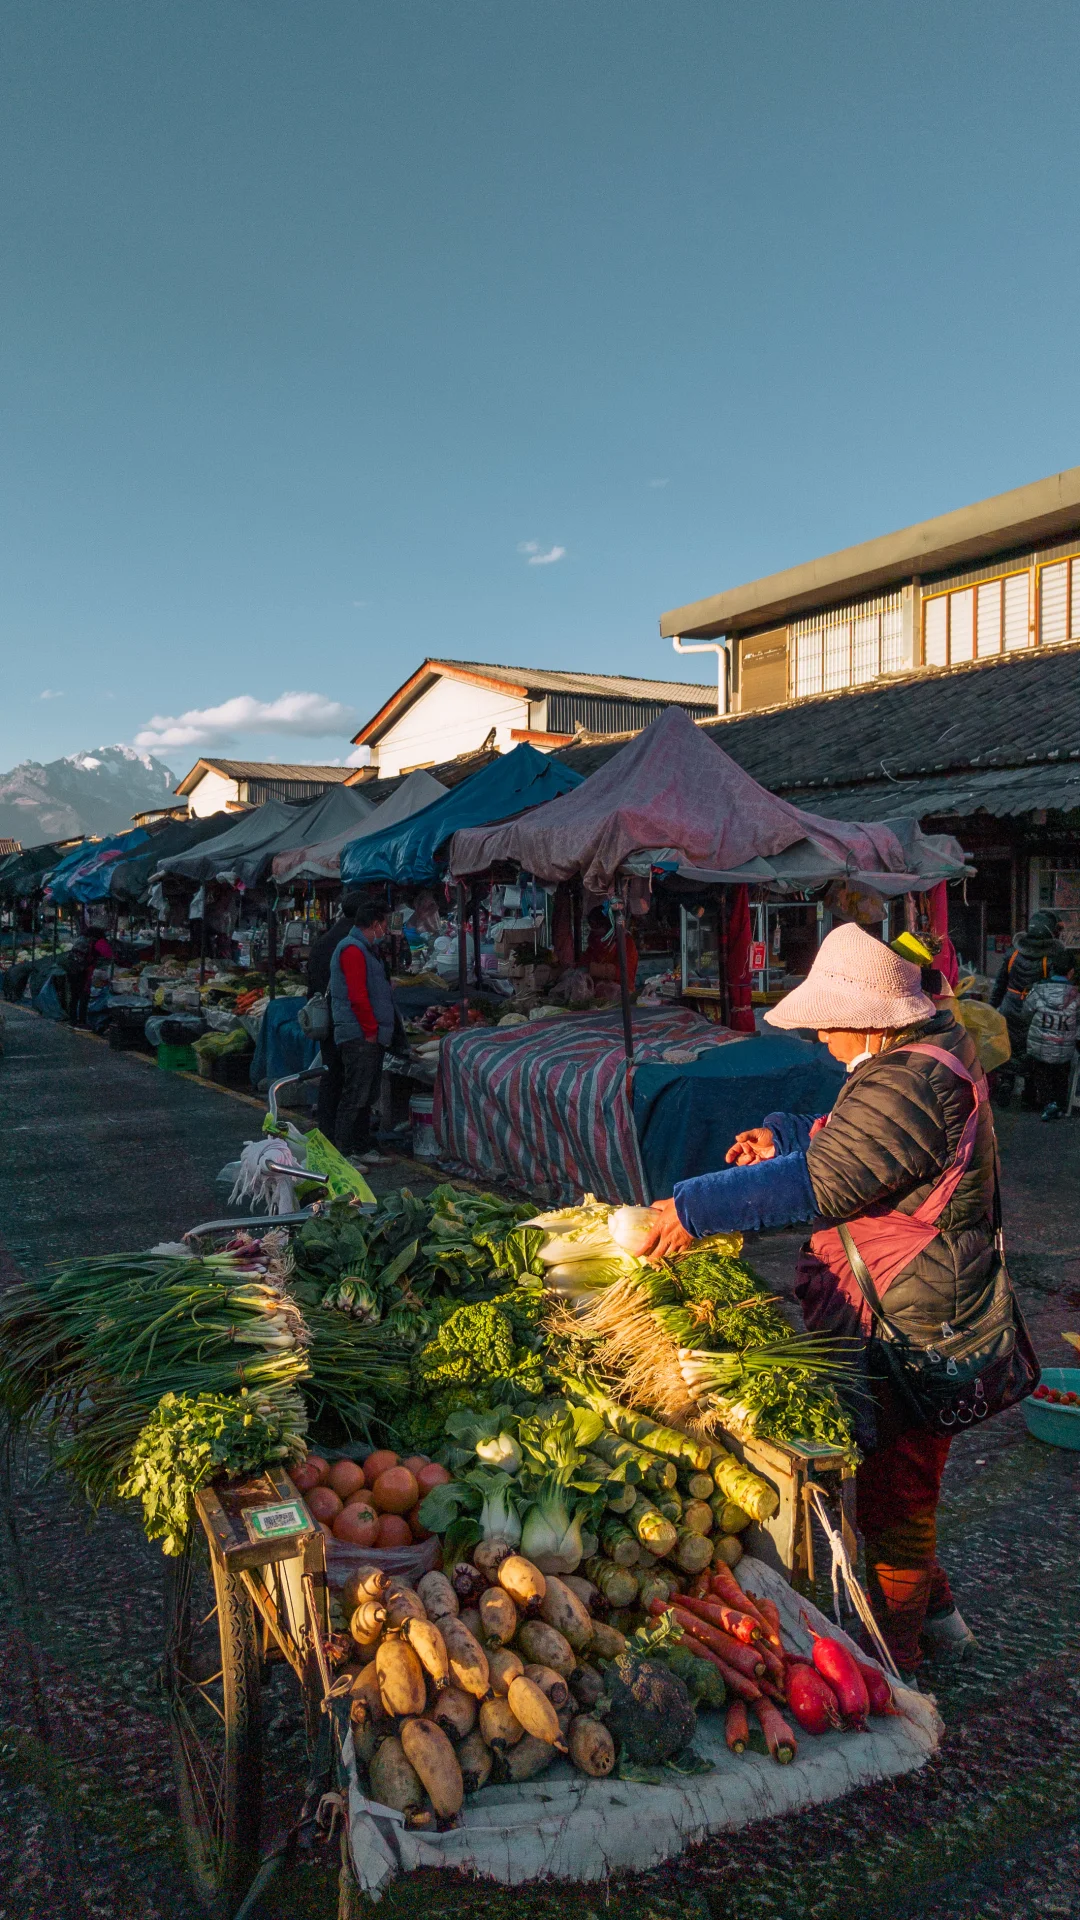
(896, 1492)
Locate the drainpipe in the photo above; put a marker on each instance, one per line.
(723, 665)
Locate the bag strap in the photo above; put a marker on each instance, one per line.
(861, 1274)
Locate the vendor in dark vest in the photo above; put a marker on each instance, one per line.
(320, 956)
(905, 1167)
(363, 1012)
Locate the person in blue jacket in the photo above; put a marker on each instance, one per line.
(905, 1161)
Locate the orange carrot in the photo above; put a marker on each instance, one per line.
(737, 1727)
(770, 1613)
(743, 1659)
(741, 1626)
(736, 1683)
(726, 1588)
(779, 1738)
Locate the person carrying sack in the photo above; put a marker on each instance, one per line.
(900, 1181)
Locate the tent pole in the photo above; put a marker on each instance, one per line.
(722, 956)
(624, 979)
(478, 975)
(33, 925)
(202, 941)
(271, 946)
(576, 904)
(462, 952)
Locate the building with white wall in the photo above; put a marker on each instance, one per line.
(452, 707)
(226, 786)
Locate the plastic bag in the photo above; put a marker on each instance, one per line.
(988, 1030)
(409, 1563)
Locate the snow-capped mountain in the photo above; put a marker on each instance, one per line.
(93, 792)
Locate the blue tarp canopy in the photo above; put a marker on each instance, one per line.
(407, 852)
(85, 875)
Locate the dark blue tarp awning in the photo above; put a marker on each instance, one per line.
(513, 784)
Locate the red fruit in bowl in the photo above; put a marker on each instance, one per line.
(324, 1504)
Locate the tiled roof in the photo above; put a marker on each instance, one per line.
(855, 753)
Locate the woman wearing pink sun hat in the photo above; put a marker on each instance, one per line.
(899, 1181)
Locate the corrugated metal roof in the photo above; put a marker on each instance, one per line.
(1002, 792)
(550, 680)
(275, 770)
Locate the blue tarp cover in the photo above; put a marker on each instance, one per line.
(687, 1116)
(281, 1047)
(86, 874)
(519, 780)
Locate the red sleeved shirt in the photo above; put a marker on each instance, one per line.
(354, 969)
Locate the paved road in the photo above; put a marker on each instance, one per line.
(98, 1150)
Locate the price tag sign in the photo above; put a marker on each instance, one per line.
(272, 1523)
(757, 956)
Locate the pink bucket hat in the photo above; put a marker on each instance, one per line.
(858, 984)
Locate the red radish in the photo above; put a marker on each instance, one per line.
(737, 1727)
(726, 1588)
(394, 1531)
(395, 1491)
(877, 1686)
(810, 1698)
(739, 1625)
(743, 1659)
(836, 1665)
(346, 1478)
(779, 1738)
(430, 1476)
(416, 1526)
(357, 1526)
(324, 1503)
(377, 1463)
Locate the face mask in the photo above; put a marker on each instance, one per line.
(866, 1054)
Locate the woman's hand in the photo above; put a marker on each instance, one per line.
(750, 1147)
(671, 1237)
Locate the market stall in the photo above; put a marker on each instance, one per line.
(549, 1106)
(670, 816)
(461, 1487)
(321, 859)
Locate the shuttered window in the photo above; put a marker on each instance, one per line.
(847, 646)
(1059, 601)
(970, 622)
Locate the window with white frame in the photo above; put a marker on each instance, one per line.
(1059, 601)
(967, 623)
(847, 646)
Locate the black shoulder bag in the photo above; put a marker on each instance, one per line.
(949, 1376)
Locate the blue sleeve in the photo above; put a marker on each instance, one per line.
(791, 1131)
(774, 1193)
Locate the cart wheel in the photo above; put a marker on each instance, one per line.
(211, 1679)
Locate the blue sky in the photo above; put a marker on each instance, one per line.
(324, 326)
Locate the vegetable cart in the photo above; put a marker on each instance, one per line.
(248, 1590)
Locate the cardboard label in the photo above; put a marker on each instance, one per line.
(273, 1523)
(757, 956)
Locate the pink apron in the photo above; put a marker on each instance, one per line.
(887, 1239)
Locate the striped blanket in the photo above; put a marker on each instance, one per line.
(549, 1107)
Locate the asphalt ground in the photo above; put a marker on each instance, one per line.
(100, 1151)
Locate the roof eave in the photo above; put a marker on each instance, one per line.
(1019, 518)
(418, 684)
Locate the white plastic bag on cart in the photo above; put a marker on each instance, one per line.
(564, 1826)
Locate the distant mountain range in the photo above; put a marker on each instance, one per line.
(84, 793)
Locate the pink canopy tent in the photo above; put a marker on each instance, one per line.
(671, 792)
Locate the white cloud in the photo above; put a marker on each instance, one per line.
(547, 559)
(50, 694)
(359, 757)
(297, 715)
(528, 546)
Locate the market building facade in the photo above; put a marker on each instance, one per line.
(996, 578)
